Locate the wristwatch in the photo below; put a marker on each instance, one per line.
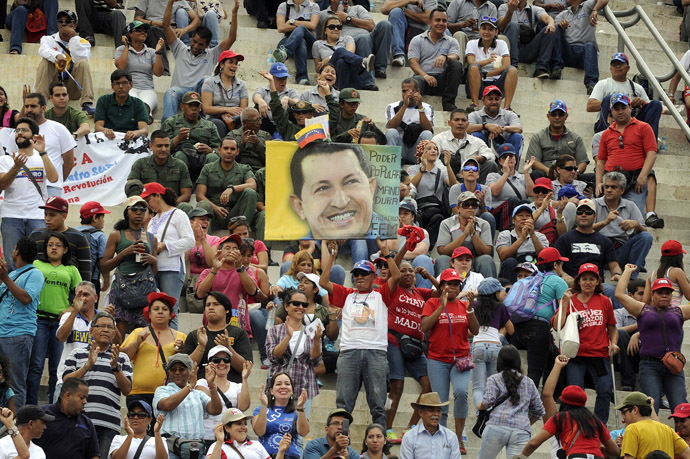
(117, 368)
(348, 19)
(42, 153)
(292, 22)
(240, 269)
(231, 187)
(13, 431)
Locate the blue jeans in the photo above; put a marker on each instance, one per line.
(170, 282)
(640, 199)
(635, 250)
(399, 22)
(257, 319)
(539, 49)
(337, 273)
(484, 356)
(376, 42)
(45, 345)
(173, 97)
(12, 230)
(349, 69)
(515, 139)
(577, 56)
(297, 45)
(210, 20)
(18, 348)
(359, 249)
(105, 438)
(656, 380)
(496, 437)
(441, 374)
(393, 137)
(357, 366)
(16, 22)
(599, 369)
(427, 263)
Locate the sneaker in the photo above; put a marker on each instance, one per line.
(590, 88)
(510, 109)
(280, 54)
(370, 87)
(399, 61)
(88, 109)
(556, 74)
(653, 221)
(265, 363)
(472, 108)
(463, 450)
(91, 40)
(449, 107)
(392, 437)
(627, 388)
(541, 74)
(304, 82)
(368, 62)
(380, 74)
(262, 25)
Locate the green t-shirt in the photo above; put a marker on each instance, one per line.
(59, 281)
(71, 119)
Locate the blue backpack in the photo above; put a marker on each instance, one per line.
(521, 300)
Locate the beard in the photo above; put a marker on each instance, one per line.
(23, 143)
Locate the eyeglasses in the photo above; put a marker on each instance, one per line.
(541, 191)
(217, 360)
(470, 204)
(569, 168)
(334, 27)
(620, 141)
(585, 212)
(121, 83)
(303, 304)
(52, 245)
(471, 168)
(625, 410)
(336, 423)
(141, 30)
(22, 130)
(138, 209)
(248, 240)
(137, 414)
(106, 326)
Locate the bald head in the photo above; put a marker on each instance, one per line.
(249, 113)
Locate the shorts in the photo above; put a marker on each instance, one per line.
(397, 364)
(500, 82)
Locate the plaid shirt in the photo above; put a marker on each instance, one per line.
(509, 415)
(302, 372)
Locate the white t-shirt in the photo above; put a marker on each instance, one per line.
(411, 115)
(609, 87)
(21, 197)
(8, 451)
(149, 451)
(471, 282)
(479, 55)
(365, 317)
(58, 142)
(248, 450)
(78, 337)
(211, 421)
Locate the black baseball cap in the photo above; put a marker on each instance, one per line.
(31, 413)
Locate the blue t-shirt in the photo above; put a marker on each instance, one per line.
(17, 318)
(5, 398)
(97, 240)
(552, 288)
(287, 282)
(278, 423)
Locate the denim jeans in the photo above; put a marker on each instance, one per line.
(496, 437)
(441, 375)
(210, 21)
(54, 190)
(298, 44)
(603, 382)
(349, 69)
(484, 356)
(539, 49)
(656, 380)
(359, 249)
(377, 42)
(399, 22)
(628, 365)
(12, 230)
(16, 22)
(45, 345)
(105, 438)
(357, 366)
(640, 199)
(507, 267)
(173, 97)
(257, 319)
(535, 335)
(170, 282)
(635, 250)
(577, 56)
(18, 348)
(393, 137)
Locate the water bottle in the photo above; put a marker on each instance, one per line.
(663, 147)
(371, 6)
(270, 60)
(271, 319)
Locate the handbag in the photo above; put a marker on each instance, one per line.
(36, 26)
(673, 361)
(569, 334)
(483, 416)
(184, 448)
(411, 348)
(194, 304)
(461, 363)
(130, 290)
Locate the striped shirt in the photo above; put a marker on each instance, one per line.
(187, 420)
(103, 404)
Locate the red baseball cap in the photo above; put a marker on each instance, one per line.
(588, 268)
(152, 188)
(449, 275)
(56, 203)
(489, 89)
(167, 299)
(660, 283)
(91, 208)
(543, 182)
(550, 255)
(228, 54)
(232, 237)
(462, 250)
(681, 411)
(671, 248)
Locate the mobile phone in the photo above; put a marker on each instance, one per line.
(346, 427)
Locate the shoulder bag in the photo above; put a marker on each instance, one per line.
(483, 416)
(461, 363)
(569, 334)
(130, 290)
(137, 454)
(673, 361)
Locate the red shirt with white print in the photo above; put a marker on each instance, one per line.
(597, 315)
(440, 344)
(405, 313)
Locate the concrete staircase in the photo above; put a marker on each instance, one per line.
(531, 102)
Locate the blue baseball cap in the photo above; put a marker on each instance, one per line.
(522, 207)
(279, 70)
(364, 265)
(557, 105)
(620, 57)
(619, 98)
(506, 149)
(569, 191)
(142, 404)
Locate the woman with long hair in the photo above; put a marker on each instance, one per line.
(564, 172)
(598, 335)
(670, 267)
(492, 316)
(240, 225)
(327, 73)
(231, 439)
(175, 237)
(516, 406)
(130, 249)
(280, 413)
(374, 442)
(339, 50)
(8, 117)
(224, 96)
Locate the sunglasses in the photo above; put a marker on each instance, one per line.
(197, 257)
(65, 22)
(137, 414)
(360, 274)
(569, 168)
(239, 218)
(585, 212)
(303, 304)
(471, 169)
(217, 360)
(620, 141)
(334, 27)
(488, 18)
(470, 205)
(138, 209)
(541, 191)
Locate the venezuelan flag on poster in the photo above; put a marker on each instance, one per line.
(309, 134)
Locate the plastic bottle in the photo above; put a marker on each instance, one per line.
(663, 146)
(271, 319)
(371, 6)
(270, 60)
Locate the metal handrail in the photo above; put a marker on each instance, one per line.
(638, 14)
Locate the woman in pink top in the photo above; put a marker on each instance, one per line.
(240, 226)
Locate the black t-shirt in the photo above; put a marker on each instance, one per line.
(583, 248)
(73, 437)
(239, 340)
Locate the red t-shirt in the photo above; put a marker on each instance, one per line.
(583, 445)
(596, 315)
(405, 312)
(638, 139)
(440, 344)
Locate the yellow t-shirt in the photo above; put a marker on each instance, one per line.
(147, 368)
(643, 437)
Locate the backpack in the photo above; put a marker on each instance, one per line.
(89, 232)
(521, 300)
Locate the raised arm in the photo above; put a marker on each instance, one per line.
(633, 306)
